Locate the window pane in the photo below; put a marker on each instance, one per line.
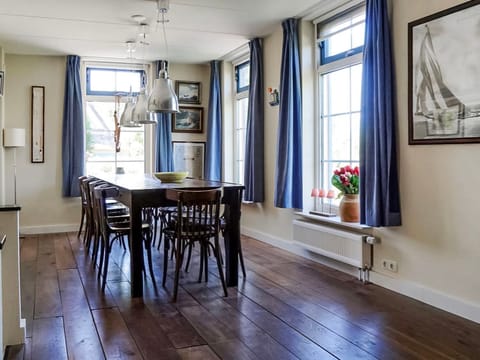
(102, 80)
(336, 89)
(356, 89)
(337, 141)
(244, 76)
(128, 81)
(100, 146)
(241, 109)
(109, 82)
(356, 137)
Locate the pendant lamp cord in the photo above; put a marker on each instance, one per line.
(162, 10)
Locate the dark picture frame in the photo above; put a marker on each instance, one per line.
(38, 125)
(2, 82)
(443, 77)
(189, 156)
(188, 120)
(189, 92)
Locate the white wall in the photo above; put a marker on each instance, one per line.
(437, 246)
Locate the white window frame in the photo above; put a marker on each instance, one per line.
(321, 70)
(147, 130)
(237, 96)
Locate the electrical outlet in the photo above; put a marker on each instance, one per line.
(390, 265)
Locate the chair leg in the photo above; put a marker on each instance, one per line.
(189, 256)
(148, 247)
(82, 219)
(105, 265)
(202, 259)
(102, 255)
(178, 266)
(206, 253)
(166, 247)
(220, 268)
(240, 255)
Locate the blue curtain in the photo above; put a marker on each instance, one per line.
(73, 144)
(379, 193)
(254, 149)
(213, 157)
(163, 143)
(288, 178)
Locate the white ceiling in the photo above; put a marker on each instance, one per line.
(198, 31)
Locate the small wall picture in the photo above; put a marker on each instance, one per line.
(188, 120)
(189, 92)
(2, 82)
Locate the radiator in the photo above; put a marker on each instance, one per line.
(347, 247)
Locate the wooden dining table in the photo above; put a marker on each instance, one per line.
(143, 191)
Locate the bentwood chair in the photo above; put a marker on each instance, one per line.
(197, 221)
(119, 229)
(83, 197)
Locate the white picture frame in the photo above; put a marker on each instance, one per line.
(189, 156)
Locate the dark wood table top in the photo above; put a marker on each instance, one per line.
(150, 182)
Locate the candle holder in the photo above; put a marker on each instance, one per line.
(320, 193)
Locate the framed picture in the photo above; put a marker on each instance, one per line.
(2, 82)
(188, 120)
(189, 156)
(443, 77)
(38, 124)
(189, 92)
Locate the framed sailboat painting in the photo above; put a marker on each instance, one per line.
(444, 76)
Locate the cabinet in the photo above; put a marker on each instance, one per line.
(12, 326)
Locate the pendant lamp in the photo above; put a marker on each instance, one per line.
(126, 120)
(140, 114)
(163, 98)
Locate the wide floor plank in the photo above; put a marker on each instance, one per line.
(286, 308)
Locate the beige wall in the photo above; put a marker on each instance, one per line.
(38, 185)
(437, 246)
(193, 72)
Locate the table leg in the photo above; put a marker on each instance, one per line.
(136, 250)
(232, 201)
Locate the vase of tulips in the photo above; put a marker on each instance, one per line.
(346, 179)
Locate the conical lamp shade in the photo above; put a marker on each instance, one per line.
(126, 120)
(163, 98)
(140, 115)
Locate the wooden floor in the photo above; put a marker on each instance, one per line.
(286, 308)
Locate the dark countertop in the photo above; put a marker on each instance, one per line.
(10, 207)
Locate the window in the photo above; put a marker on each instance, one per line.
(339, 77)
(103, 85)
(111, 82)
(242, 78)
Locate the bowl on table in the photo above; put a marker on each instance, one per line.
(171, 176)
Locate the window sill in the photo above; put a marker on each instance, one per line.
(335, 221)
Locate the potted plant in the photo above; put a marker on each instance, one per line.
(346, 179)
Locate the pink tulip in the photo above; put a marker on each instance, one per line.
(321, 193)
(314, 192)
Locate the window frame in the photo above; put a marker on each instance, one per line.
(109, 97)
(89, 92)
(326, 65)
(240, 94)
